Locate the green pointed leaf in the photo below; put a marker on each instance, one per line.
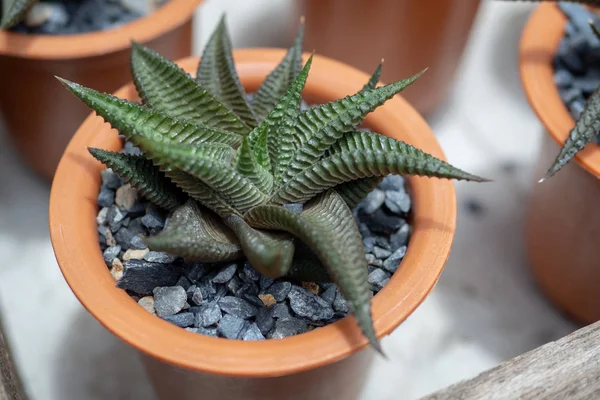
(151, 183)
(217, 73)
(196, 234)
(319, 127)
(354, 192)
(585, 130)
(258, 140)
(327, 226)
(13, 11)
(277, 82)
(374, 80)
(134, 120)
(362, 155)
(248, 166)
(278, 126)
(237, 190)
(270, 253)
(165, 87)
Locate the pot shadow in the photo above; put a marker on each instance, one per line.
(23, 195)
(93, 364)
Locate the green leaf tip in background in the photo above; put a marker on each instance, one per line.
(13, 11)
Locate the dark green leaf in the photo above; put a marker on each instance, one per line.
(269, 253)
(248, 166)
(277, 82)
(327, 226)
(374, 80)
(134, 120)
(142, 175)
(362, 155)
(165, 87)
(13, 11)
(196, 234)
(354, 192)
(217, 73)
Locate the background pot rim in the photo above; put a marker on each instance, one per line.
(168, 17)
(539, 43)
(74, 238)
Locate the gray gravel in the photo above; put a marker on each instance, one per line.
(169, 300)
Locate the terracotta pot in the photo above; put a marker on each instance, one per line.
(37, 112)
(563, 221)
(325, 363)
(410, 35)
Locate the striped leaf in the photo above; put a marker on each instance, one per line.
(134, 120)
(353, 192)
(277, 82)
(200, 162)
(13, 11)
(362, 155)
(165, 87)
(150, 182)
(196, 234)
(327, 226)
(248, 166)
(374, 80)
(319, 127)
(217, 74)
(269, 253)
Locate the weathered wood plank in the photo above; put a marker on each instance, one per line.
(568, 368)
(10, 386)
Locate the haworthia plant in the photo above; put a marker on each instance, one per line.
(13, 11)
(587, 127)
(228, 168)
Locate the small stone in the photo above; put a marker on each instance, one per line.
(116, 269)
(137, 210)
(129, 148)
(392, 182)
(230, 326)
(102, 215)
(197, 297)
(397, 202)
(380, 253)
(378, 278)
(111, 253)
(382, 242)
(225, 274)
(159, 257)
(373, 201)
(247, 289)
(142, 7)
(369, 243)
(147, 302)
(400, 238)
(142, 277)
(169, 300)
(329, 294)
(571, 94)
(108, 238)
(576, 109)
(309, 305)
(264, 282)
(252, 333)
(254, 300)
(207, 287)
(234, 285)
(132, 254)
(267, 299)
(126, 196)
(279, 290)
(182, 320)
(380, 222)
(186, 306)
(264, 320)
(206, 331)
(563, 78)
(47, 13)
(296, 208)
(184, 283)
(288, 327)
(237, 307)
(196, 271)
(311, 287)
(209, 315)
(280, 310)
(114, 216)
(110, 179)
(106, 197)
(340, 304)
(154, 218)
(392, 263)
(137, 243)
(123, 237)
(250, 272)
(587, 84)
(374, 261)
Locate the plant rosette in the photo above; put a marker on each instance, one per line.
(73, 206)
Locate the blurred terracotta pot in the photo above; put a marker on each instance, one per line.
(411, 35)
(563, 222)
(37, 112)
(325, 363)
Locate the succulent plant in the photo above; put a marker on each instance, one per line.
(13, 11)
(258, 177)
(587, 126)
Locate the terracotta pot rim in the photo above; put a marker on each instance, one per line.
(74, 239)
(169, 16)
(539, 43)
